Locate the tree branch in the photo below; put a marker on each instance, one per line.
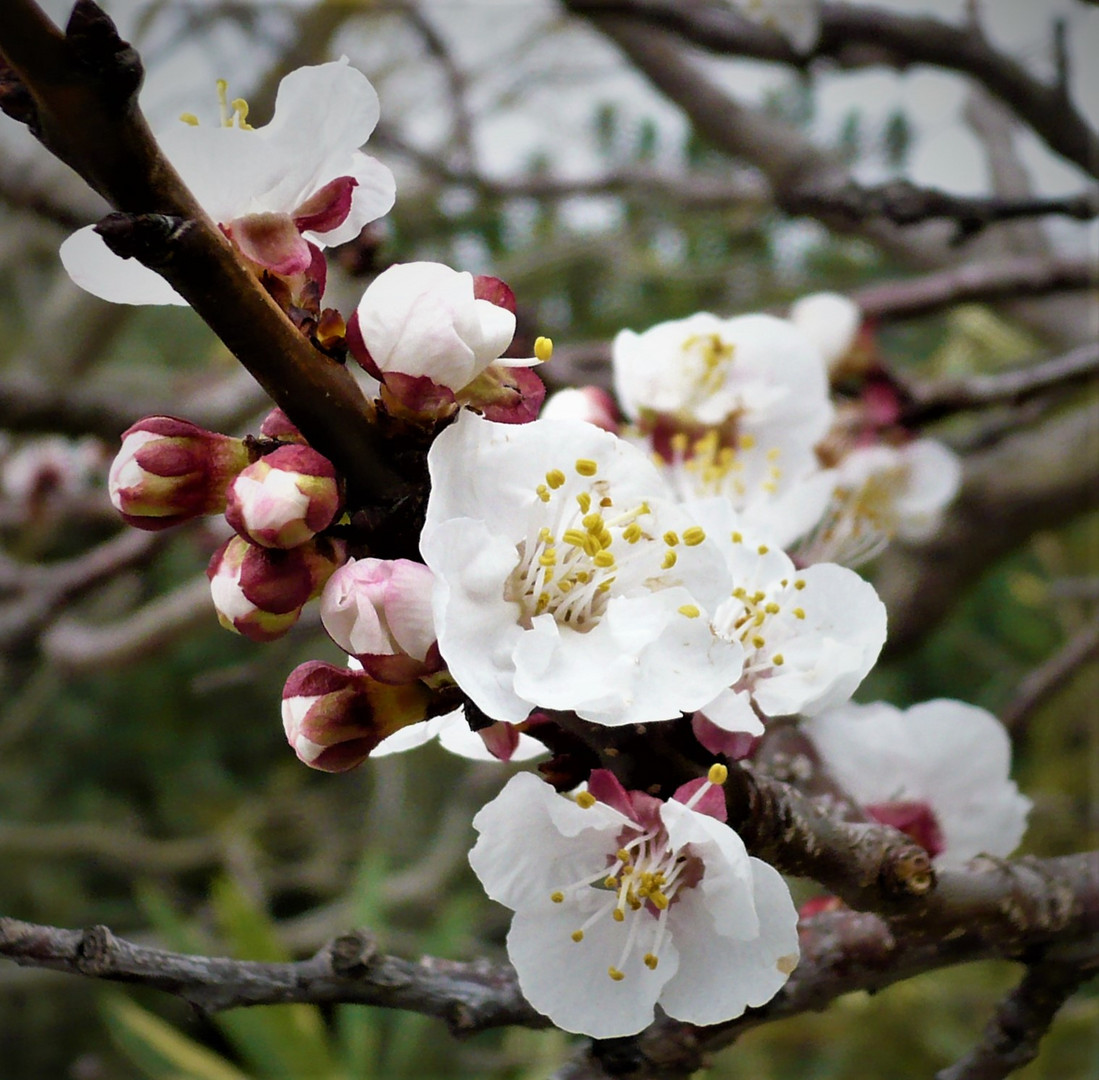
(469, 997)
(1012, 1036)
(856, 36)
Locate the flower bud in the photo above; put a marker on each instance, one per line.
(285, 498)
(333, 717)
(379, 611)
(277, 425)
(259, 592)
(170, 470)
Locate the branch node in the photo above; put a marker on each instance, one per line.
(150, 238)
(907, 871)
(99, 50)
(352, 955)
(94, 950)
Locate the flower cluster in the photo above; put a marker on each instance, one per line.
(616, 585)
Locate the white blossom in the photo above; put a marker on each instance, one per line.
(624, 904)
(941, 768)
(566, 578)
(831, 321)
(298, 180)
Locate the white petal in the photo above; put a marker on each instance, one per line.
(96, 269)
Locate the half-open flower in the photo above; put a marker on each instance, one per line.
(565, 577)
(280, 191)
(431, 334)
(379, 611)
(285, 498)
(170, 470)
(623, 902)
(939, 771)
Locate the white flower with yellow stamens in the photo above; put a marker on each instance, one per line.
(704, 370)
(623, 902)
(881, 493)
(810, 636)
(567, 578)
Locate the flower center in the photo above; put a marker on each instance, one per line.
(580, 546)
(233, 113)
(761, 619)
(640, 882)
(712, 466)
(706, 362)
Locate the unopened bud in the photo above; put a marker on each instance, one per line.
(334, 717)
(285, 498)
(259, 592)
(170, 470)
(277, 425)
(379, 611)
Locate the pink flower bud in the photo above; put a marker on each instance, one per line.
(277, 425)
(379, 611)
(259, 592)
(170, 470)
(333, 717)
(285, 498)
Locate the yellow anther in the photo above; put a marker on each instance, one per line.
(240, 107)
(543, 348)
(605, 586)
(604, 537)
(778, 659)
(769, 486)
(586, 467)
(189, 118)
(763, 549)
(543, 492)
(718, 774)
(543, 603)
(651, 961)
(738, 538)
(773, 454)
(799, 613)
(622, 855)
(548, 558)
(583, 577)
(545, 535)
(575, 538)
(564, 585)
(759, 618)
(669, 559)
(555, 478)
(606, 501)
(747, 441)
(758, 641)
(615, 974)
(585, 800)
(679, 443)
(671, 538)
(610, 881)
(758, 597)
(592, 546)
(631, 533)
(557, 897)
(772, 608)
(584, 499)
(603, 559)
(618, 915)
(658, 899)
(740, 592)
(694, 536)
(799, 584)
(578, 936)
(690, 610)
(592, 522)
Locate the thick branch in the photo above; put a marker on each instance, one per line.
(83, 87)
(858, 36)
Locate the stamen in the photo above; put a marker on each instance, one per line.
(189, 118)
(555, 478)
(543, 348)
(585, 800)
(586, 467)
(693, 536)
(690, 610)
(615, 974)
